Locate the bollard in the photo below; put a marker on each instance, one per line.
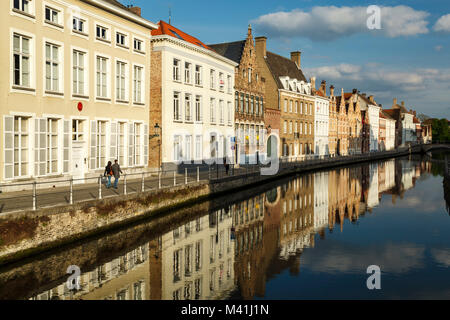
(159, 179)
(185, 176)
(124, 184)
(34, 196)
(143, 181)
(198, 174)
(71, 191)
(100, 187)
(174, 178)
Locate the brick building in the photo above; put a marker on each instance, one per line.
(249, 98)
(288, 91)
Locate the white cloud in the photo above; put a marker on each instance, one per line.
(443, 24)
(329, 23)
(438, 48)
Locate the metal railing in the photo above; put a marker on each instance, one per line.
(41, 194)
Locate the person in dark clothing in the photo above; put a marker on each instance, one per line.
(108, 173)
(116, 173)
(227, 166)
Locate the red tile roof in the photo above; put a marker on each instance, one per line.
(167, 29)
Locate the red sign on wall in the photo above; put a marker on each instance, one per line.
(80, 106)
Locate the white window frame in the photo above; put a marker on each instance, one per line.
(126, 45)
(85, 24)
(118, 82)
(107, 33)
(188, 108)
(187, 72)
(139, 99)
(198, 109)
(31, 62)
(176, 70)
(198, 75)
(20, 134)
(85, 69)
(142, 43)
(31, 9)
(49, 135)
(107, 76)
(60, 63)
(77, 134)
(59, 24)
(176, 98)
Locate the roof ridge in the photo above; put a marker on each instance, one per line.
(216, 44)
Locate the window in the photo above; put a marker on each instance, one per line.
(138, 45)
(21, 146)
(100, 150)
(137, 84)
(176, 69)
(221, 82)
(23, 5)
(249, 75)
(176, 267)
(77, 130)
(121, 142)
(252, 103)
(257, 106)
(52, 146)
(285, 105)
(78, 72)
(51, 67)
(137, 144)
(21, 61)
(221, 112)
(229, 86)
(242, 103)
(198, 75)
(102, 86)
(290, 127)
(310, 108)
(230, 113)
(236, 101)
(120, 81)
(246, 103)
(187, 72)
(187, 107)
(188, 150)
(177, 155)
(213, 79)
(102, 33)
(176, 107)
(296, 106)
(285, 127)
(198, 109)
(78, 24)
(213, 110)
(51, 15)
(198, 147)
(121, 39)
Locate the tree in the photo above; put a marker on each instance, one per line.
(440, 130)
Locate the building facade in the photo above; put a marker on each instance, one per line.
(192, 98)
(321, 120)
(405, 128)
(288, 91)
(249, 98)
(333, 124)
(76, 95)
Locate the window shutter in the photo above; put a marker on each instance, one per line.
(130, 144)
(66, 146)
(113, 145)
(145, 145)
(40, 147)
(93, 144)
(8, 139)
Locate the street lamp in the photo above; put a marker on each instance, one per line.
(157, 134)
(157, 130)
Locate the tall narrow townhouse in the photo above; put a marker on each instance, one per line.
(288, 91)
(75, 96)
(333, 124)
(342, 134)
(404, 125)
(372, 111)
(321, 120)
(192, 96)
(249, 98)
(351, 127)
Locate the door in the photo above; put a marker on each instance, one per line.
(78, 164)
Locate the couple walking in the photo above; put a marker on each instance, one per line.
(113, 170)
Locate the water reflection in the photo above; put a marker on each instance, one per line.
(233, 252)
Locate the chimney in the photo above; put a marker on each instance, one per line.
(249, 33)
(296, 57)
(323, 87)
(403, 103)
(332, 90)
(355, 91)
(371, 99)
(395, 102)
(260, 45)
(135, 10)
(313, 83)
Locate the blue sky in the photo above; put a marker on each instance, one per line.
(407, 59)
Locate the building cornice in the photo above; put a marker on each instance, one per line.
(122, 13)
(182, 43)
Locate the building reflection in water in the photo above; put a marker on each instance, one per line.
(232, 252)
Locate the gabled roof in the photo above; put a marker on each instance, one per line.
(230, 50)
(281, 67)
(167, 29)
(116, 3)
(385, 115)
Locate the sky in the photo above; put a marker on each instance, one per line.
(408, 58)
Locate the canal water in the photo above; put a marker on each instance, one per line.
(311, 236)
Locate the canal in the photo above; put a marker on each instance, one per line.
(311, 236)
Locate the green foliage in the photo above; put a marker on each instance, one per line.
(440, 130)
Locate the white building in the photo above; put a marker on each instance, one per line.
(320, 200)
(321, 121)
(373, 111)
(193, 96)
